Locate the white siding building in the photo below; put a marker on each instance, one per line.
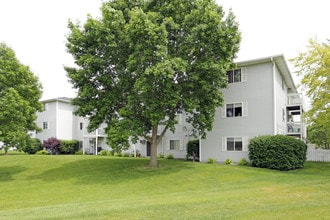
(58, 120)
(261, 99)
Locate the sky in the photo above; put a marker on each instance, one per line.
(36, 30)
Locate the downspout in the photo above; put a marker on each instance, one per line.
(274, 96)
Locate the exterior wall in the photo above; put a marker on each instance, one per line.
(64, 121)
(281, 101)
(49, 116)
(257, 94)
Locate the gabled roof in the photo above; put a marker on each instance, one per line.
(281, 64)
(59, 99)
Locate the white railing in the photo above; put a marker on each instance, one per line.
(294, 127)
(320, 155)
(294, 99)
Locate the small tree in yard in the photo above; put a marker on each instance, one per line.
(52, 145)
(144, 61)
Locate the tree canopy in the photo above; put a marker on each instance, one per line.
(20, 92)
(314, 67)
(143, 62)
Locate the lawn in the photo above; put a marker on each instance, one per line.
(96, 187)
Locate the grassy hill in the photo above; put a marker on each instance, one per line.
(95, 187)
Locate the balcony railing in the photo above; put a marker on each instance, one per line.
(99, 132)
(295, 99)
(294, 128)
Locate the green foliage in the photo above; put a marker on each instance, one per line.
(318, 134)
(103, 153)
(243, 162)
(33, 146)
(44, 152)
(161, 155)
(126, 154)
(69, 146)
(229, 161)
(193, 147)
(118, 154)
(279, 152)
(314, 67)
(20, 92)
(169, 156)
(211, 160)
(142, 62)
(79, 152)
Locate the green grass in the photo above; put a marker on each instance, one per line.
(91, 187)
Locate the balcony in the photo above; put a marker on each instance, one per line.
(98, 132)
(295, 99)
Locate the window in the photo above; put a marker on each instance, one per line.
(174, 144)
(45, 125)
(237, 75)
(238, 109)
(235, 144)
(234, 110)
(81, 125)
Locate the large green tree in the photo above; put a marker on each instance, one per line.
(142, 62)
(20, 92)
(313, 66)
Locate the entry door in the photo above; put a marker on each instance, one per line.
(148, 149)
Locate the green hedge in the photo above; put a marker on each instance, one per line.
(279, 152)
(69, 146)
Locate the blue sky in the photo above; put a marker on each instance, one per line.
(36, 30)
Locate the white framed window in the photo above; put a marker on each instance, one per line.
(45, 125)
(179, 118)
(174, 144)
(237, 75)
(237, 109)
(235, 144)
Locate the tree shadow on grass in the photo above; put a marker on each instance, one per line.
(105, 170)
(7, 172)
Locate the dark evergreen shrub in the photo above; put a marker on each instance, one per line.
(33, 146)
(279, 152)
(69, 146)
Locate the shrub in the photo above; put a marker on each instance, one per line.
(42, 152)
(161, 155)
(229, 161)
(211, 160)
(33, 146)
(103, 153)
(109, 153)
(126, 154)
(69, 146)
(52, 145)
(279, 152)
(118, 154)
(169, 156)
(243, 162)
(79, 152)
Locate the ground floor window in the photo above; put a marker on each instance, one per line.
(234, 143)
(174, 144)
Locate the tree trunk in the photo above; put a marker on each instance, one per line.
(153, 150)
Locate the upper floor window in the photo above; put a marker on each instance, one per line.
(237, 75)
(45, 125)
(81, 125)
(238, 109)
